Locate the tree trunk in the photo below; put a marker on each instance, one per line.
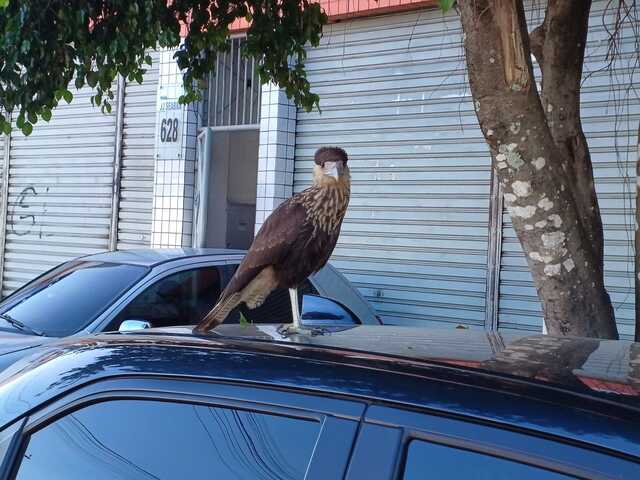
(540, 153)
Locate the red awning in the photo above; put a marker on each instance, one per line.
(341, 9)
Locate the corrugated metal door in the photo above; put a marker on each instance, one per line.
(610, 114)
(394, 94)
(60, 191)
(4, 142)
(138, 162)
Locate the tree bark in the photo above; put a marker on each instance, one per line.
(540, 154)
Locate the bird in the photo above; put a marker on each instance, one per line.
(295, 241)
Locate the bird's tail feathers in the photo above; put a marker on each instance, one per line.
(219, 312)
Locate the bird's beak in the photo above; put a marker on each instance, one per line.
(332, 169)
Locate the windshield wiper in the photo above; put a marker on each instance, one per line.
(19, 325)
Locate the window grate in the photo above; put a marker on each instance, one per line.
(234, 89)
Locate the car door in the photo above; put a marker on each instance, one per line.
(170, 429)
(409, 445)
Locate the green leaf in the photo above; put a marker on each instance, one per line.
(33, 118)
(6, 127)
(92, 79)
(243, 320)
(67, 95)
(27, 128)
(445, 5)
(105, 108)
(46, 114)
(4, 4)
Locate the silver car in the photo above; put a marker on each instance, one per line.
(135, 289)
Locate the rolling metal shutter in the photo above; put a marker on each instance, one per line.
(60, 191)
(138, 162)
(394, 94)
(610, 114)
(4, 143)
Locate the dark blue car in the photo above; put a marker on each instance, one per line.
(366, 403)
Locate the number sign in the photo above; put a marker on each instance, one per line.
(169, 125)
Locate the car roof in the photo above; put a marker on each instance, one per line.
(607, 369)
(152, 257)
(582, 389)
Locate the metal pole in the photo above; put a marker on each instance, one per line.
(209, 100)
(244, 92)
(237, 84)
(494, 253)
(253, 81)
(117, 165)
(4, 204)
(224, 75)
(217, 72)
(259, 101)
(230, 82)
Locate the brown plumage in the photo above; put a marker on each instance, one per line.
(295, 241)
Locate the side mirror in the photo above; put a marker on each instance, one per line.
(325, 312)
(131, 325)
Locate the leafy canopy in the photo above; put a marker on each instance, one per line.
(47, 44)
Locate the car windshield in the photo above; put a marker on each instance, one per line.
(67, 298)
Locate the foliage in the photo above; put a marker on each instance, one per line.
(243, 320)
(47, 44)
(446, 5)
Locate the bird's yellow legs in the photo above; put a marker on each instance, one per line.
(295, 310)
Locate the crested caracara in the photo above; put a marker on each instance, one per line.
(295, 241)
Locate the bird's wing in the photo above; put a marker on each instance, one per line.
(272, 243)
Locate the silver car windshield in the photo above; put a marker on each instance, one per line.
(66, 299)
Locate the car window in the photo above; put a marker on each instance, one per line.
(182, 298)
(444, 462)
(275, 309)
(66, 299)
(138, 440)
(6, 436)
(307, 288)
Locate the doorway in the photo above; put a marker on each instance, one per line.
(226, 183)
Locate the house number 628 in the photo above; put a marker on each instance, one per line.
(169, 130)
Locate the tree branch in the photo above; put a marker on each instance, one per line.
(565, 27)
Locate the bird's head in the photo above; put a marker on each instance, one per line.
(331, 166)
